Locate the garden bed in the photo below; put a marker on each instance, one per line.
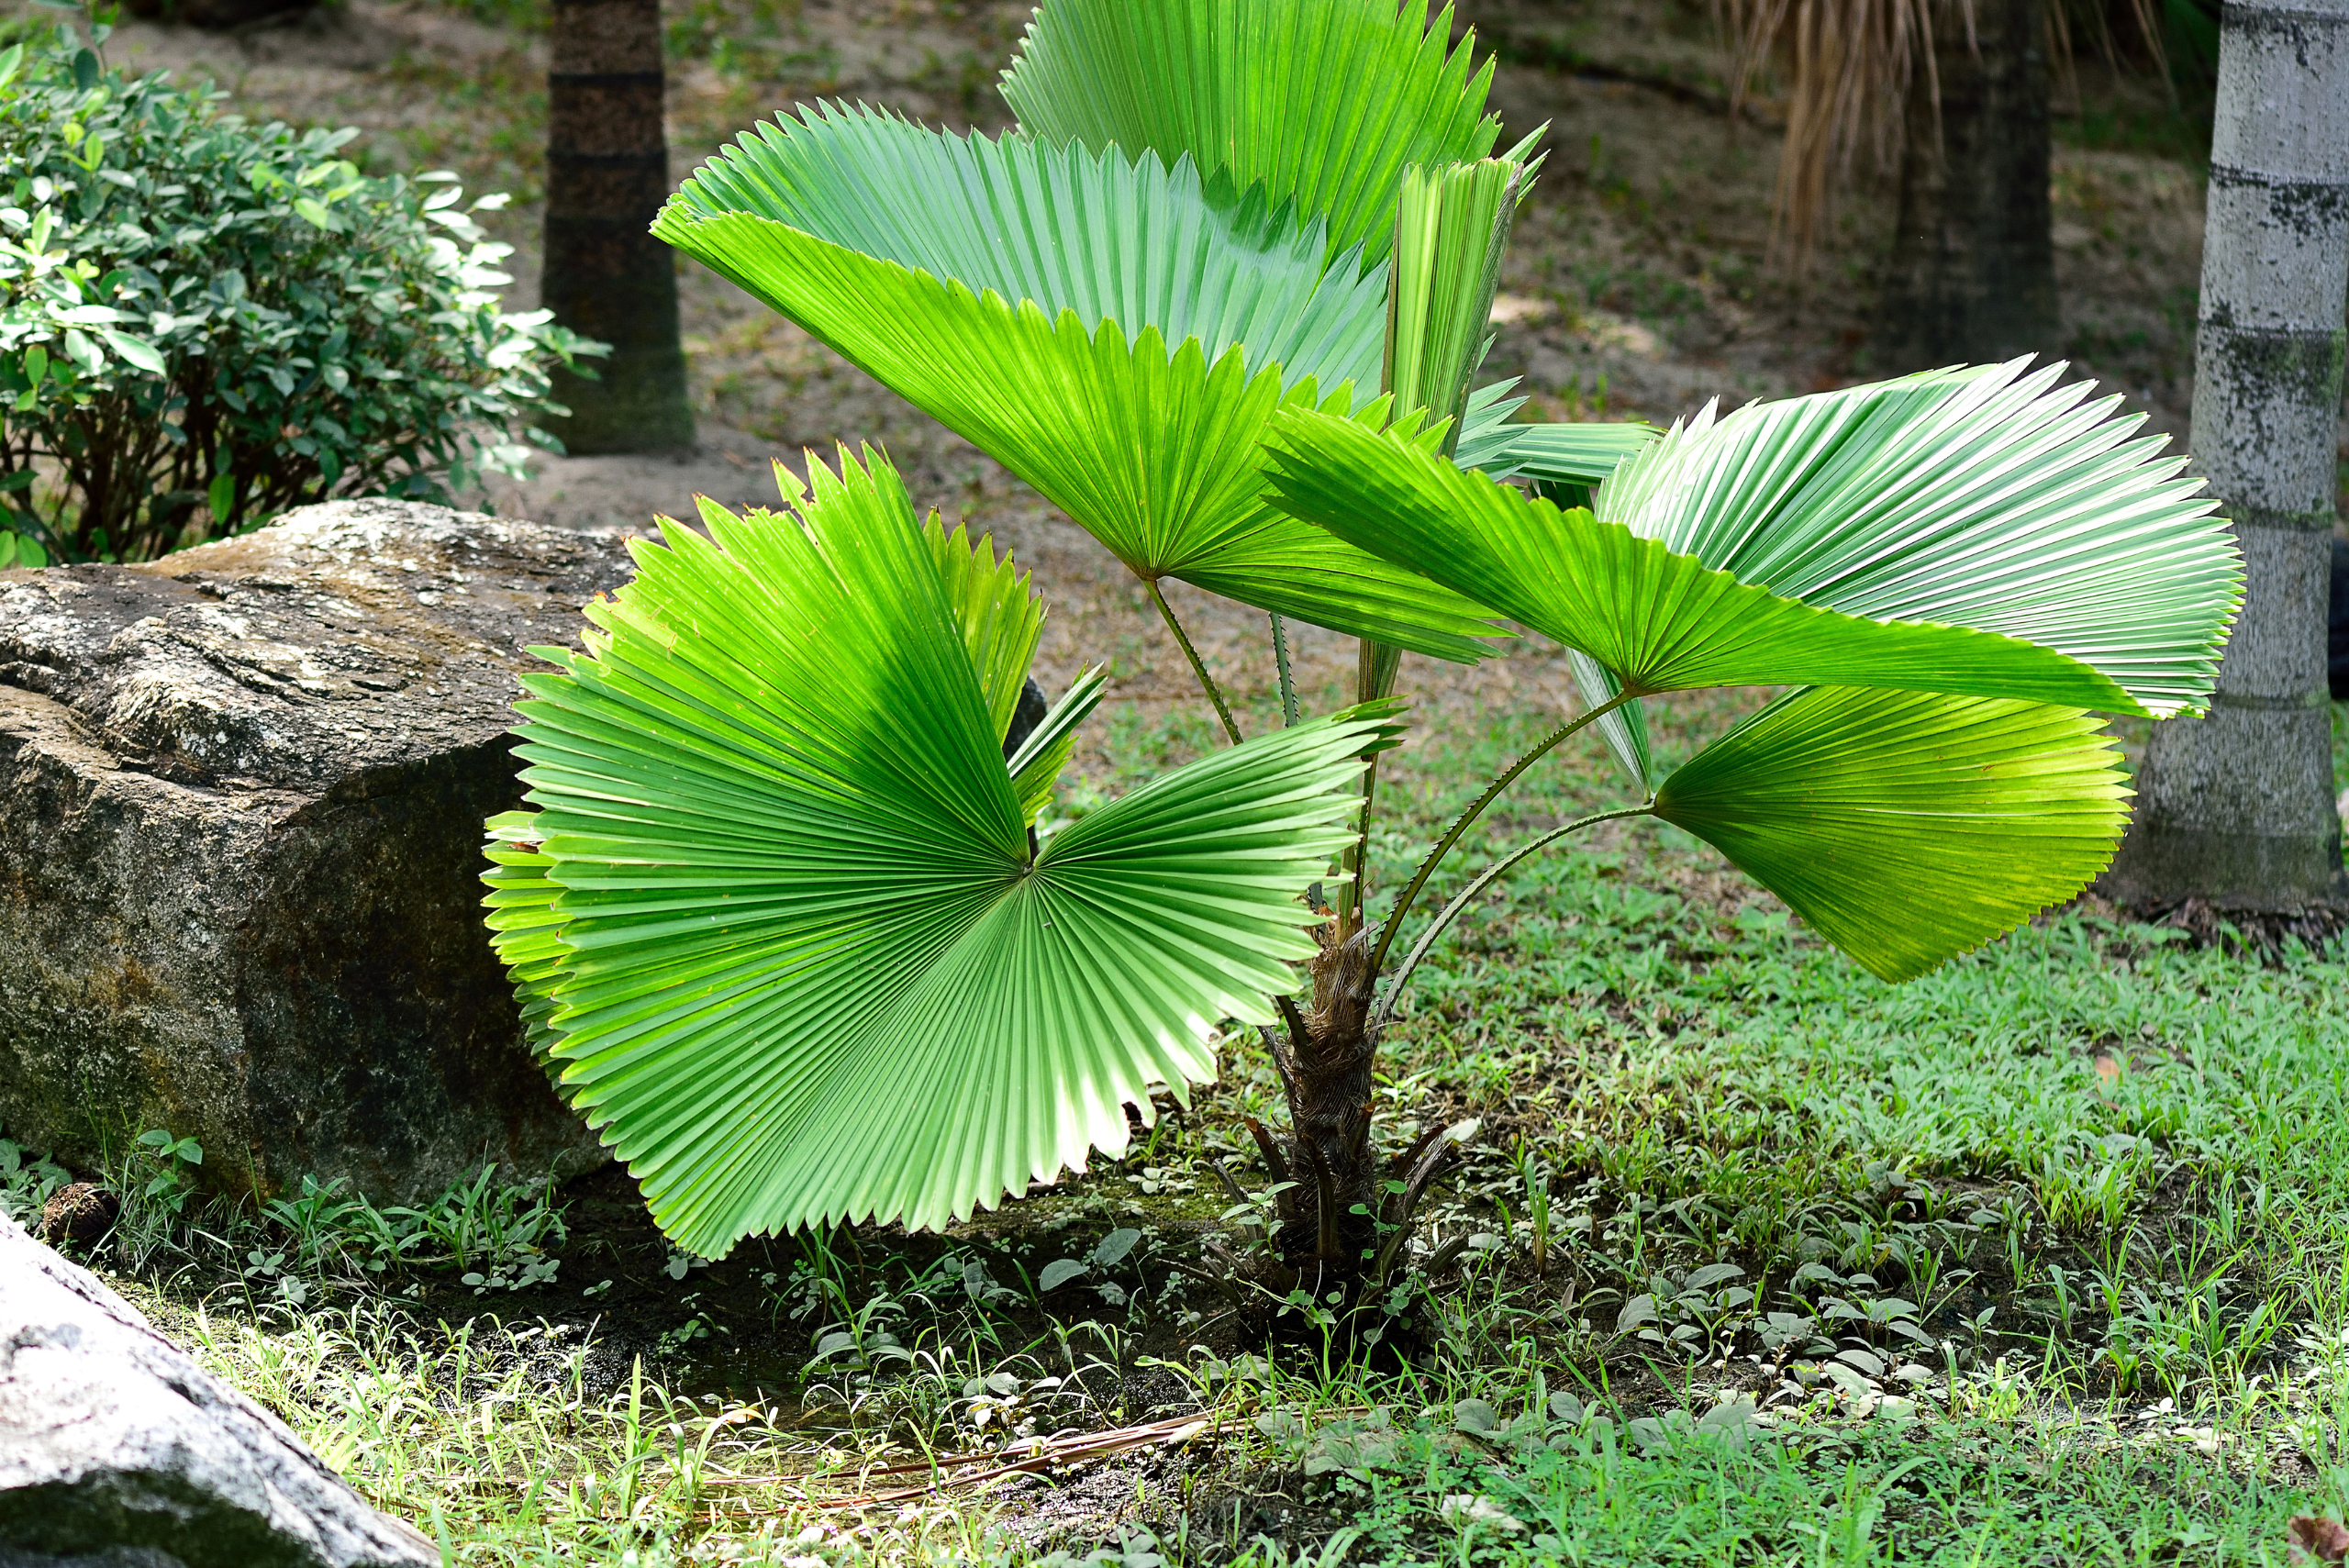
(2038, 1259)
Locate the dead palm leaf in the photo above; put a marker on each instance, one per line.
(1852, 66)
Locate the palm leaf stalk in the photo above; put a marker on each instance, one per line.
(776, 869)
(1451, 226)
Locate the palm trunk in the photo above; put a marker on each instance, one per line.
(2236, 807)
(605, 277)
(1973, 271)
(1325, 1071)
(1345, 1218)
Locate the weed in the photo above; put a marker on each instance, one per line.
(27, 1182)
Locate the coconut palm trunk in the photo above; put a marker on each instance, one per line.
(1972, 275)
(2237, 808)
(605, 277)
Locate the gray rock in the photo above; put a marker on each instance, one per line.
(116, 1449)
(241, 790)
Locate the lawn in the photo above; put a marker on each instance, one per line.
(2040, 1259)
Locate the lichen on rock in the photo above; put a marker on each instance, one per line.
(241, 790)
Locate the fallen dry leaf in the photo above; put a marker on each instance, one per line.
(2318, 1539)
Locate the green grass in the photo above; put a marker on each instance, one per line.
(2039, 1259)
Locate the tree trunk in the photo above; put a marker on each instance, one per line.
(1325, 1071)
(605, 276)
(2236, 807)
(1345, 1221)
(1972, 277)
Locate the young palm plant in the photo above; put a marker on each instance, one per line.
(779, 916)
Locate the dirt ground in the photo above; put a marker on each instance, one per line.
(1641, 283)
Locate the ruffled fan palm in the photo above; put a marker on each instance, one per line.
(1955, 567)
(1188, 231)
(776, 913)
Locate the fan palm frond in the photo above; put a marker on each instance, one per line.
(1094, 322)
(775, 914)
(1320, 103)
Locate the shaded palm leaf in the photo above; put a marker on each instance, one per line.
(1321, 103)
(1558, 454)
(1908, 828)
(1660, 621)
(809, 968)
(525, 931)
(1036, 766)
(1052, 354)
(1625, 728)
(1981, 497)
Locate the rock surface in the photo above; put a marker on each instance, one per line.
(241, 790)
(117, 1449)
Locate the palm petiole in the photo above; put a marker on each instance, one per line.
(1468, 818)
(1198, 666)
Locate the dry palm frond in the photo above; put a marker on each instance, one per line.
(1853, 64)
(1027, 1454)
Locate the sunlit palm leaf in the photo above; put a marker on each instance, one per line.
(1563, 454)
(809, 971)
(1323, 103)
(1981, 497)
(1659, 620)
(1113, 236)
(1042, 338)
(1001, 617)
(1451, 226)
(1908, 828)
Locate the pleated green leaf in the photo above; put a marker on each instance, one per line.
(1451, 226)
(1110, 235)
(1560, 455)
(1036, 766)
(1320, 103)
(1981, 497)
(1002, 619)
(1908, 828)
(1026, 297)
(806, 969)
(1660, 621)
(1625, 728)
(524, 930)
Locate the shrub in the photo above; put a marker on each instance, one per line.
(205, 322)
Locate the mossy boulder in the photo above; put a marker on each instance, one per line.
(241, 790)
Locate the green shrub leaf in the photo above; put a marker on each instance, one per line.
(174, 292)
